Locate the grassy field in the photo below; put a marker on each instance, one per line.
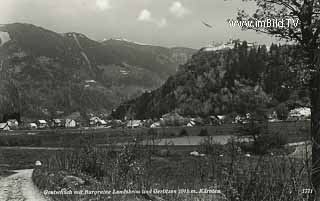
(135, 166)
(223, 168)
(14, 159)
(296, 131)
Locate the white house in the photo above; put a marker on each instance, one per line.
(94, 121)
(42, 124)
(300, 113)
(90, 81)
(191, 124)
(13, 123)
(70, 123)
(102, 123)
(57, 123)
(32, 126)
(155, 125)
(134, 124)
(4, 126)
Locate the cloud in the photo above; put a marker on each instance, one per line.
(103, 4)
(177, 9)
(145, 15)
(163, 23)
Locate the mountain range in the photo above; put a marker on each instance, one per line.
(44, 73)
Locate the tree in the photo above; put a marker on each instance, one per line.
(282, 111)
(306, 15)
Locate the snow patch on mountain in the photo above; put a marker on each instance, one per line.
(129, 41)
(84, 55)
(4, 37)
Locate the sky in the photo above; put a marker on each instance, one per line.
(167, 23)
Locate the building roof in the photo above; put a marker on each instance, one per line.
(103, 122)
(3, 125)
(57, 121)
(94, 118)
(134, 123)
(41, 121)
(303, 111)
(69, 120)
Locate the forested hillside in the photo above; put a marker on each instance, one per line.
(227, 81)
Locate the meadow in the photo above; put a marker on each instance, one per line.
(224, 168)
(296, 132)
(141, 167)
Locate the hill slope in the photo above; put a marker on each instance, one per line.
(43, 71)
(222, 82)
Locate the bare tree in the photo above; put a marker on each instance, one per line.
(301, 20)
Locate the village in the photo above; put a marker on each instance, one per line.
(172, 119)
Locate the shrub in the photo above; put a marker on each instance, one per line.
(282, 111)
(203, 132)
(264, 143)
(183, 133)
(273, 140)
(208, 146)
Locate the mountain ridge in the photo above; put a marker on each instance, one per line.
(48, 70)
(225, 81)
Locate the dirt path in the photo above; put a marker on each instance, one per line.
(303, 150)
(19, 187)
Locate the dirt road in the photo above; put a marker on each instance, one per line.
(19, 187)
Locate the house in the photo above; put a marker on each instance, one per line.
(32, 126)
(301, 113)
(222, 118)
(191, 124)
(90, 81)
(42, 124)
(241, 119)
(155, 125)
(70, 123)
(214, 120)
(13, 123)
(134, 124)
(198, 121)
(102, 123)
(96, 121)
(57, 123)
(93, 121)
(147, 122)
(4, 127)
(76, 116)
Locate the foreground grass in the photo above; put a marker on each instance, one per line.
(223, 168)
(14, 159)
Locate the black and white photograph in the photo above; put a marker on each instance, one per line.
(159, 100)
